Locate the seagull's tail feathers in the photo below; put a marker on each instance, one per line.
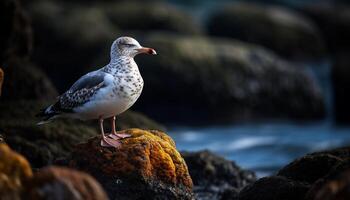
(47, 115)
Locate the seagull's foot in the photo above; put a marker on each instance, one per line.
(119, 135)
(110, 142)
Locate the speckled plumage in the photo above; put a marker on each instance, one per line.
(106, 92)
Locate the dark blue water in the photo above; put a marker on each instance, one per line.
(266, 147)
(263, 148)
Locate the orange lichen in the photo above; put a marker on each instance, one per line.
(14, 169)
(151, 155)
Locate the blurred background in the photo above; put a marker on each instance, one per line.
(258, 82)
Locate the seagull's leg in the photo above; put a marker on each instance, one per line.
(107, 141)
(114, 133)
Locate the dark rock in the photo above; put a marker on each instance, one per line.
(334, 22)
(335, 187)
(57, 183)
(42, 145)
(15, 34)
(68, 36)
(341, 85)
(233, 80)
(151, 17)
(310, 168)
(146, 166)
(77, 46)
(26, 81)
(274, 188)
(284, 31)
(215, 177)
(14, 172)
(1, 79)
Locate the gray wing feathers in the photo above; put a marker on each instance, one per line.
(82, 91)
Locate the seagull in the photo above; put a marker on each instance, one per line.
(104, 93)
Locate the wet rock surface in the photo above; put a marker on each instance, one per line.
(274, 188)
(320, 175)
(146, 166)
(214, 177)
(235, 81)
(289, 33)
(55, 183)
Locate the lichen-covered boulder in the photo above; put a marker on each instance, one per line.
(274, 188)
(217, 80)
(214, 177)
(146, 166)
(57, 183)
(285, 31)
(14, 171)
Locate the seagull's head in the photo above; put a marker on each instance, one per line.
(127, 46)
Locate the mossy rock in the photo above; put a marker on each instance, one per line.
(151, 17)
(146, 166)
(218, 80)
(14, 172)
(25, 81)
(69, 36)
(42, 145)
(286, 32)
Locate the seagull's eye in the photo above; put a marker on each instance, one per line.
(128, 45)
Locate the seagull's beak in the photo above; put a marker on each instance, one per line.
(147, 50)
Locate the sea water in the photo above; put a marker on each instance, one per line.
(266, 147)
(263, 148)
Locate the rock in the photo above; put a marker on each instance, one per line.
(155, 17)
(59, 50)
(274, 188)
(56, 183)
(310, 168)
(14, 171)
(42, 145)
(16, 34)
(1, 79)
(334, 22)
(26, 81)
(285, 31)
(147, 166)
(234, 81)
(335, 189)
(333, 186)
(77, 46)
(341, 85)
(215, 177)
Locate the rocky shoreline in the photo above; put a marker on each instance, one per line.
(148, 166)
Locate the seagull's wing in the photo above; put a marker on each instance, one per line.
(81, 91)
